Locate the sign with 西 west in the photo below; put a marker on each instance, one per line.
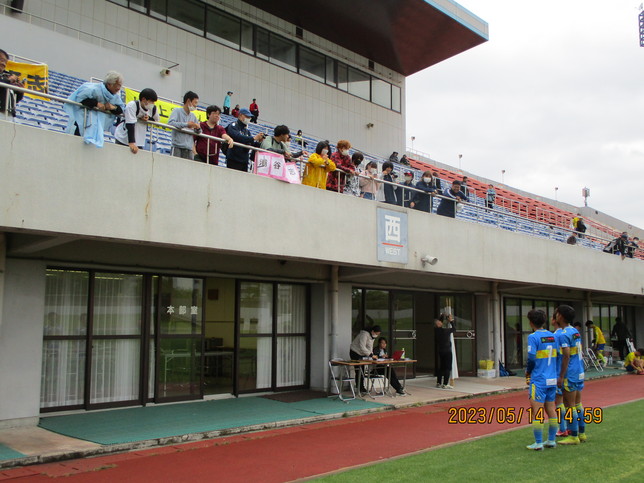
(392, 236)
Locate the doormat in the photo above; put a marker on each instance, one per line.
(296, 396)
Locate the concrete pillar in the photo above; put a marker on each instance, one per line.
(497, 326)
(3, 264)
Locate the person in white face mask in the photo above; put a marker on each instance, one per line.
(183, 118)
(406, 195)
(342, 160)
(423, 201)
(368, 185)
(238, 156)
(133, 129)
(318, 166)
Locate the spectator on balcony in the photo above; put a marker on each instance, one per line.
(133, 129)
(279, 143)
(368, 184)
(423, 201)
(490, 196)
(208, 149)
(453, 195)
(318, 166)
(618, 245)
(343, 162)
(631, 246)
(103, 101)
(254, 110)
(389, 189)
(579, 226)
(235, 111)
(436, 182)
(353, 182)
(394, 157)
(237, 157)
(12, 79)
(464, 188)
(227, 102)
(404, 160)
(299, 139)
(407, 195)
(183, 143)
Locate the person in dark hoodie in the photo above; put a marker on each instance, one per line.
(447, 206)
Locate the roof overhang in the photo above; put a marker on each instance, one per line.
(406, 36)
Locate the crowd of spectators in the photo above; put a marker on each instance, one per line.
(341, 171)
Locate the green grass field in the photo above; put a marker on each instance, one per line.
(613, 452)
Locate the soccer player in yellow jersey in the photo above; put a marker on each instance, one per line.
(634, 362)
(599, 341)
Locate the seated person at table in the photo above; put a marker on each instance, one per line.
(362, 346)
(381, 353)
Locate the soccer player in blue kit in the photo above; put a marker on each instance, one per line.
(542, 371)
(571, 375)
(559, 404)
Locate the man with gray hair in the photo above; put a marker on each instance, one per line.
(102, 102)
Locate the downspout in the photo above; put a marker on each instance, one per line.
(334, 311)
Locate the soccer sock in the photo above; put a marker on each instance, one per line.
(580, 415)
(552, 429)
(562, 417)
(537, 429)
(573, 425)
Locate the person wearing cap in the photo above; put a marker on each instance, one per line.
(254, 109)
(237, 156)
(227, 102)
(407, 194)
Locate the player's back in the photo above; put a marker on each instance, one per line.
(543, 345)
(571, 338)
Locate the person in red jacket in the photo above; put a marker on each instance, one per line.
(254, 110)
(342, 160)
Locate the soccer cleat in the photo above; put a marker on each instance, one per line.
(570, 440)
(550, 444)
(561, 434)
(582, 437)
(439, 386)
(535, 446)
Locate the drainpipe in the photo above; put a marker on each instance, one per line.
(334, 314)
(496, 325)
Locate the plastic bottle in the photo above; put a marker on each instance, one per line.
(403, 353)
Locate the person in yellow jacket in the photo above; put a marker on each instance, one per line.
(634, 362)
(318, 166)
(599, 341)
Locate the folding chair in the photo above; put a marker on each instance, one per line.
(373, 376)
(340, 376)
(593, 359)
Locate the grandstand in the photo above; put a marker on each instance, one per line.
(147, 279)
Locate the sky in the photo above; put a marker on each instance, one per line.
(555, 98)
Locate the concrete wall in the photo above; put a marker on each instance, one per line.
(108, 193)
(21, 341)
(206, 67)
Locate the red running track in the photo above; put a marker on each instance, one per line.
(304, 451)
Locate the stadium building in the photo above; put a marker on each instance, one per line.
(131, 280)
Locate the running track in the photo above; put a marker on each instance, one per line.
(304, 451)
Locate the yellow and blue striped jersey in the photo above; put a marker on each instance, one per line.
(542, 358)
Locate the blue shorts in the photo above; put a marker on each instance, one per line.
(559, 391)
(542, 394)
(572, 386)
(600, 347)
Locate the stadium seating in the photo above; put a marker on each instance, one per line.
(513, 212)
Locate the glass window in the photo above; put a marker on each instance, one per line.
(115, 370)
(117, 304)
(343, 76)
(223, 28)
(63, 373)
(138, 5)
(283, 52)
(188, 15)
(181, 305)
(359, 83)
(179, 367)
(291, 362)
(262, 43)
(357, 322)
(66, 294)
(381, 92)
(395, 98)
(291, 309)
(330, 72)
(312, 64)
(247, 37)
(255, 363)
(256, 308)
(377, 310)
(159, 9)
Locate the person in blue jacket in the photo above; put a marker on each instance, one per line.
(447, 206)
(237, 156)
(422, 201)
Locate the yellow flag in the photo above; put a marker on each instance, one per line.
(34, 76)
